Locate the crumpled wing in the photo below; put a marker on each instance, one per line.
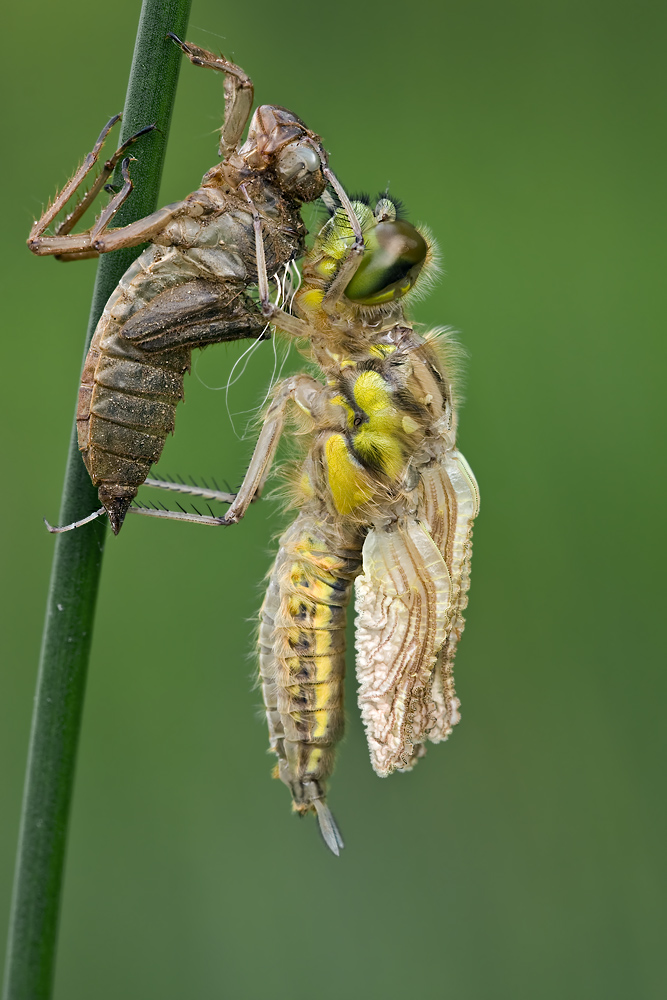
(403, 603)
(449, 503)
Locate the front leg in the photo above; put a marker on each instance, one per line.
(239, 92)
(346, 272)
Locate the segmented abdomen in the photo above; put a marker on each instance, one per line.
(132, 379)
(302, 650)
(126, 409)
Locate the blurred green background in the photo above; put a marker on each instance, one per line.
(525, 858)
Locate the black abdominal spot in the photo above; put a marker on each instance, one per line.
(300, 645)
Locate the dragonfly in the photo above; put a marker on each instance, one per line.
(386, 504)
(191, 287)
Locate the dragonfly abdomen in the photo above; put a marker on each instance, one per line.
(302, 652)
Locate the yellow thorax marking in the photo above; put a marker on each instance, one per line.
(378, 440)
(349, 412)
(348, 484)
(306, 486)
(311, 298)
(326, 267)
(381, 350)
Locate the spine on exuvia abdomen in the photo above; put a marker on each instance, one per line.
(125, 410)
(302, 652)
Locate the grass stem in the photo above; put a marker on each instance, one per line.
(77, 562)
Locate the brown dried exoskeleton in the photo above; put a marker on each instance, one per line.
(190, 287)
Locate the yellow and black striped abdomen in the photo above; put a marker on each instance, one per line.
(302, 651)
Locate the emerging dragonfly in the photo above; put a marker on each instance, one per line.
(189, 288)
(384, 498)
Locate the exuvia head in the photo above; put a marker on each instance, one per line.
(278, 141)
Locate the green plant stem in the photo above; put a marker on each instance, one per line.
(77, 561)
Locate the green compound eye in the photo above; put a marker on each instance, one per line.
(394, 256)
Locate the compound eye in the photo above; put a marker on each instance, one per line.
(298, 167)
(395, 254)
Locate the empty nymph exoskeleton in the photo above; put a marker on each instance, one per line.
(190, 287)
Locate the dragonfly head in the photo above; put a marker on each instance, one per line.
(278, 141)
(396, 253)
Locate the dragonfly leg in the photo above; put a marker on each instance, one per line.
(56, 530)
(191, 491)
(182, 515)
(79, 247)
(343, 277)
(239, 92)
(172, 515)
(353, 260)
(301, 389)
(346, 203)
